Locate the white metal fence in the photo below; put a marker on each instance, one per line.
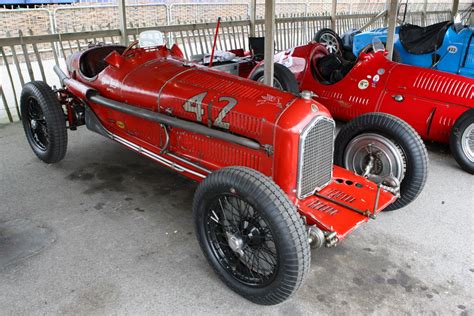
(26, 56)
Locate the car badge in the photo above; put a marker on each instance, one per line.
(452, 49)
(363, 84)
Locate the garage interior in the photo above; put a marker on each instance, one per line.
(107, 231)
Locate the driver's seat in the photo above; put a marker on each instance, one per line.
(92, 61)
(330, 68)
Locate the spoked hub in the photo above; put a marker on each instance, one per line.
(330, 42)
(37, 124)
(375, 156)
(467, 142)
(241, 240)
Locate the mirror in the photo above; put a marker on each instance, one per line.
(151, 39)
(377, 45)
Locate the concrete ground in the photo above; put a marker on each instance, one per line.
(107, 231)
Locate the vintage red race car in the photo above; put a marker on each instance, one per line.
(438, 105)
(264, 157)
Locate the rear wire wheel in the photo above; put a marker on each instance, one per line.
(251, 234)
(43, 121)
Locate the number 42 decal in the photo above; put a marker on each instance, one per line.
(194, 105)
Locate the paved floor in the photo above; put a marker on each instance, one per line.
(108, 231)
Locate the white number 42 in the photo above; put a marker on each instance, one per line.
(194, 105)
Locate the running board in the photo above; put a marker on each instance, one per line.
(93, 124)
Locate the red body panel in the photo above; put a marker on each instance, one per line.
(433, 100)
(154, 80)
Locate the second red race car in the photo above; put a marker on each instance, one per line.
(438, 105)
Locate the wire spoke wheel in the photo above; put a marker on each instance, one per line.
(241, 240)
(251, 234)
(37, 124)
(44, 121)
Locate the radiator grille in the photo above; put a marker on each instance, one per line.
(316, 154)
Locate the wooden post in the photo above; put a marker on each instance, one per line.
(253, 17)
(392, 23)
(423, 13)
(122, 12)
(455, 8)
(269, 41)
(333, 15)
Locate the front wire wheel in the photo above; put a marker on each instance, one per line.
(242, 240)
(251, 234)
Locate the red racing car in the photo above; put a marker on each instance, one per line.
(263, 157)
(438, 105)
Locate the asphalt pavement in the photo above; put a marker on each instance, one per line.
(107, 231)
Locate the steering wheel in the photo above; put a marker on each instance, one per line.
(318, 52)
(129, 47)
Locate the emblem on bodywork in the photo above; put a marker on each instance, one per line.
(452, 49)
(120, 124)
(270, 99)
(363, 84)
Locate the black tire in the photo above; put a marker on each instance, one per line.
(336, 44)
(282, 77)
(458, 133)
(41, 109)
(283, 227)
(400, 136)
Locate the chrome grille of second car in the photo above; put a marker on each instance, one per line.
(315, 156)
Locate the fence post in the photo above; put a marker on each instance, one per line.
(269, 41)
(333, 14)
(454, 9)
(392, 21)
(122, 21)
(423, 13)
(252, 16)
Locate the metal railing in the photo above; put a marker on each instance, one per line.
(31, 57)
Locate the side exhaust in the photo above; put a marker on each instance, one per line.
(94, 96)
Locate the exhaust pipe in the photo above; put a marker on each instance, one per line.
(94, 96)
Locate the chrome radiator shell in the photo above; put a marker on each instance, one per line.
(315, 160)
